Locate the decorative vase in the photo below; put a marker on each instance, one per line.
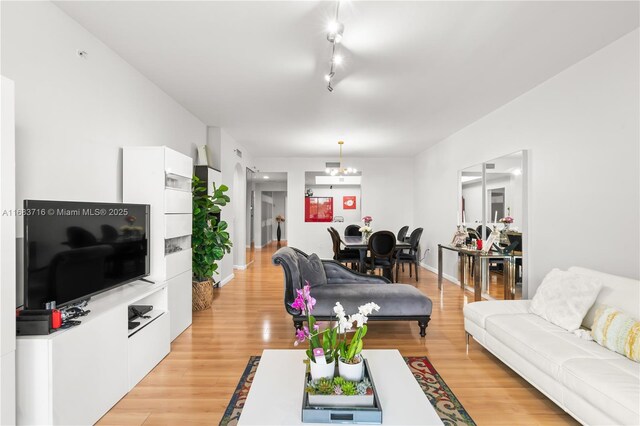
(202, 295)
(278, 232)
(365, 237)
(322, 371)
(351, 372)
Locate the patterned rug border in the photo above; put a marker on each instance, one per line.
(439, 394)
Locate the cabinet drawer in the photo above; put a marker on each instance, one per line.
(177, 263)
(177, 163)
(179, 296)
(177, 201)
(147, 347)
(177, 225)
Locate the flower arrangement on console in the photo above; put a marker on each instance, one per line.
(332, 343)
(279, 218)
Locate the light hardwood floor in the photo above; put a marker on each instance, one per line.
(193, 384)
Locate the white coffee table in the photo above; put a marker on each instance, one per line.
(275, 397)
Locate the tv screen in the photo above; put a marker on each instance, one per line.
(73, 250)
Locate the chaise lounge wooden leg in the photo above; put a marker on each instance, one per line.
(423, 326)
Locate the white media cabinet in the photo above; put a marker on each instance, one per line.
(74, 376)
(161, 177)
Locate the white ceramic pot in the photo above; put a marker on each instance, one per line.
(322, 371)
(351, 372)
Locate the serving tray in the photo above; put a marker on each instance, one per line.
(342, 412)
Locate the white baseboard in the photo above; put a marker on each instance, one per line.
(447, 277)
(227, 279)
(240, 267)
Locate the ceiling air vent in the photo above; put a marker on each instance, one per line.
(332, 164)
(490, 166)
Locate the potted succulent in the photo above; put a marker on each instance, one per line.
(209, 240)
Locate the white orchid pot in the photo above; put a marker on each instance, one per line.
(322, 371)
(351, 372)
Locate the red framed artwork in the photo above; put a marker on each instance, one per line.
(318, 209)
(349, 202)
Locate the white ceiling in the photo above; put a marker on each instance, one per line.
(414, 72)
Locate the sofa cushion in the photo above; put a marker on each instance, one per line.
(617, 331)
(393, 299)
(478, 312)
(623, 293)
(564, 298)
(311, 270)
(543, 344)
(613, 386)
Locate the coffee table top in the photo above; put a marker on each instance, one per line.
(275, 397)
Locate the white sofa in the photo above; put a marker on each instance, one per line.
(593, 384)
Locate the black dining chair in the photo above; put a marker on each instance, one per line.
(412, 256)
(402, 233)
(351, 257)
(382, 246)
(352, 231)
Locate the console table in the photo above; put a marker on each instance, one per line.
(481, 269)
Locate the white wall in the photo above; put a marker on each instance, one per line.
(387, 196)
(74, 115)
(234, 175)
(582, 130)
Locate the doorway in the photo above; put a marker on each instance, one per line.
(251, 199)
(270, 210)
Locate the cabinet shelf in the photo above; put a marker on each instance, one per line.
(153, 315)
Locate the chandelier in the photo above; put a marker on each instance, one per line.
(336, 168)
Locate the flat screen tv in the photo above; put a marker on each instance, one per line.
(74, 250)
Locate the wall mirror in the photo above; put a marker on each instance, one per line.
(493, 198)
(332, 198)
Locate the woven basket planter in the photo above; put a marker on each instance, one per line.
(202, 294)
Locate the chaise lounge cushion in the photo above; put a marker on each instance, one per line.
(312, 270)
(395, 300)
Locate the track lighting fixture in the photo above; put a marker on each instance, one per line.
(334, 36)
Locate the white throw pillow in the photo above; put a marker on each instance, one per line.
(564, 298)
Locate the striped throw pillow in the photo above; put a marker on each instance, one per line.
(617, 331)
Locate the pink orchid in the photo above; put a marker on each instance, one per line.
(301, 335)
(299, 302)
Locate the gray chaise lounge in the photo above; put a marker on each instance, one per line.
(398, 302)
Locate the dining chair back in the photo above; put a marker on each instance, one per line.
(414, 240)
(402, 233)
(352, 231)
(412, 256)
(335, 241)
(382, 244)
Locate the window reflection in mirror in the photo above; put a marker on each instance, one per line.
(332, 198)
(504, 191)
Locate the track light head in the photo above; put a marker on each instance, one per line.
(335, 32)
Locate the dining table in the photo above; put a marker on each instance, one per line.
(358, 243)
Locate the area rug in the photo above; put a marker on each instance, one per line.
(445, 403)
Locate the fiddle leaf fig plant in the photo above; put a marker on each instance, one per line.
(209, 239)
